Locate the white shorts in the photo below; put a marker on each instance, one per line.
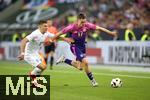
(33, 59)
(63, 49)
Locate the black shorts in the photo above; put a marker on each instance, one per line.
(50, 48)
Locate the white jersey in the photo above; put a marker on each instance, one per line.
(36, 39)
(63, 49)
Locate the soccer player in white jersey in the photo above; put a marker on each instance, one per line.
(30, 47)
(63, 49)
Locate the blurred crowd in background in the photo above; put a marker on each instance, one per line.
(5, 3)
(118, 15)
(113, 14)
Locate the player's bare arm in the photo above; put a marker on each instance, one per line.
(48, 41)
(57, 36)
(69, 40)
(106, 30)
(22, 48)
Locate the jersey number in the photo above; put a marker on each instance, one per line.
(80, 34)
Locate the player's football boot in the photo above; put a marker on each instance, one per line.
(33, 80)
(94, 83)
(34, 83)
(32, 76)
(60, 60)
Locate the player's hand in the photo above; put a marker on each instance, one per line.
(47, 41)
(114, 33)
(69, 40)
(21, 57)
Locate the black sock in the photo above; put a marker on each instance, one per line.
(90, 76)
(51, 61)
(68, 61)
(45, 60)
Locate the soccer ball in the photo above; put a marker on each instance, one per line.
(116, 82)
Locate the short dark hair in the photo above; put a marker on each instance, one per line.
(42, 22)
(81, 16)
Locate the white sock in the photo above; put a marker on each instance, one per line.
(36, 71)
(93, 80)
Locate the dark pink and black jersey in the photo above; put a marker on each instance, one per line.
(79, 33)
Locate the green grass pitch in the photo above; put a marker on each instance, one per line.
(68, 83)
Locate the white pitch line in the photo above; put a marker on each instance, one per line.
(106, 74)
(131, 76)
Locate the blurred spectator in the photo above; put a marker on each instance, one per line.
(146, 35)
(23, 35)
(95, 36)
(51, 28)
(8, 2)
(50, 49)
(4, 4)
(118, 3)
(71, 18)
(112, 14)
(15, 37)
(103, 6)
(36, 4)
(129, 33)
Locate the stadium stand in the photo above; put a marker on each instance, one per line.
(114, 14)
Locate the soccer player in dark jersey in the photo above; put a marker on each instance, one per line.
(78, 37)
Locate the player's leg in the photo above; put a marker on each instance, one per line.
(52, 50)
(70, 62)
(80, 53)
(47, 50)
(43, 64)
(88, 72)
(51, 59)
(68, 57)
(37, 72)
(74, 63)
(76, 52)
(39, 65)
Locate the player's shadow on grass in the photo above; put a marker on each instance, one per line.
(70, 86)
